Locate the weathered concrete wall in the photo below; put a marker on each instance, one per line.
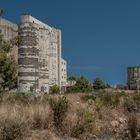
(28, 58)
(39, 55)
(59, 57)
(44, 42)
(63, 73)
(134, 78)
(54, 55)
(9, 31)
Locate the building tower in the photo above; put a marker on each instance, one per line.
(134, 78)
(39, 56)
(40, 64)
(28, 56)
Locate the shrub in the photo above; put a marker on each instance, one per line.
(17, 98)
(130, 105)
(85, 123)
(121, 94)
(41, 117)
(98, 104)
(37, 121)
(81, 85)
(60, 108)
(99, 84)
(132, 126)
(88, 97)
(136, 98)
(109, 99)
(24, 98)
(13, 130)
(55, 90)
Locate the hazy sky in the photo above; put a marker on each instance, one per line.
(99, 37)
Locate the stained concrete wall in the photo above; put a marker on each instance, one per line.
(54, 58)
(9, 31)
(39, 55)
(134, 78)
(28, 57)
(63, 73)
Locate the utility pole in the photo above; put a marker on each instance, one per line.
(35, 76)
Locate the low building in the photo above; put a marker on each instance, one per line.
(71, 83)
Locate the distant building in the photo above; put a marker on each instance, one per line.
(63, 74)
(71, 83)
(40, 63)
(134, 78)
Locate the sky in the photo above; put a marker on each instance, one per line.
(99, 37)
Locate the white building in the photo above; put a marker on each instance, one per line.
(63, 74)
(9, 31)
(40, 63)
(38, 55)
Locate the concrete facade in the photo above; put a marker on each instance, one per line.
(39, 56)
(134, 78)
(40, 64)
(9, 31)
(63, 74)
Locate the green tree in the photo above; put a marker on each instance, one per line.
(72, 78)
(7, 71)
(2, 12)
(5, 45)
(82, 84)
(7, 65)
(55, 90)
(98, 83)
(60, 108)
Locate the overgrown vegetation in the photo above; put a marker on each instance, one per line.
(88, 97)
(85, 123)
(132, 103)
(106, 99)
(98, 104)
(133, 126)
(69, 116)
(60, 108)
(82, 85)
(8, 66)
(98, 83)
(54, 90)
(109, 99)
(13, 130)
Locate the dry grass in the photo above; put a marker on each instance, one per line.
(32, 118)
(17, 120)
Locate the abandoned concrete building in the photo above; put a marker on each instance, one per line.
(40, 62)
(134, 78)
